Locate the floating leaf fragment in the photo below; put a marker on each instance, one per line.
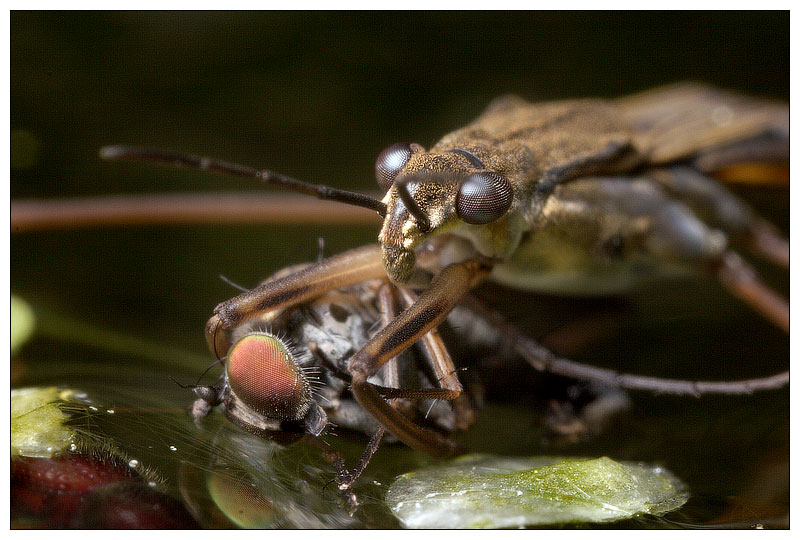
(37, 422)
(480, 491)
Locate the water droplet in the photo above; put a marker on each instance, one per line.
(92, 408)
(133, 463)
(110, 411)
(173, 448)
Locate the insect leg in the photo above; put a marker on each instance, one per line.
(347, 479)
(767, 241)
(725, 213)
(175, 208)
(637, 225)
(427, 312)
(345, 269)
(720, 208)
(740, 278)
(542, 359)
(388, 311)
(436, 353)
(387, 308)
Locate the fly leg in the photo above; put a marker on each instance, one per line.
(388, 310)
(345, 269)
(429, 310)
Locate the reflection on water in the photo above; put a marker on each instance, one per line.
(731, 451)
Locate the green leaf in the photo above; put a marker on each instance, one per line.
(37, 422)
(23, 322)
(479, 491)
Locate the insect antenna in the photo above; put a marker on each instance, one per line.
(184, 386)
(173, 159)
(214, 363)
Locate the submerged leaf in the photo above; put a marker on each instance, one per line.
(37, 422)
(480, 491)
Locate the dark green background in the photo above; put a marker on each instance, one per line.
(313, 94)
(318, 95)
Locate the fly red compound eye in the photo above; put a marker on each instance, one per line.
(263, 374)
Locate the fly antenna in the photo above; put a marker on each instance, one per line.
(174, 159)
(214, 363)
(184, 386)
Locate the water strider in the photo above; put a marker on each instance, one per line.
(572, 197)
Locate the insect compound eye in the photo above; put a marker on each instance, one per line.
(390, 162)
(484, 197)
(263, 374)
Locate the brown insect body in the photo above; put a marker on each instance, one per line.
(568, 212)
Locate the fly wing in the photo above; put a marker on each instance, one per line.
(710, 127)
